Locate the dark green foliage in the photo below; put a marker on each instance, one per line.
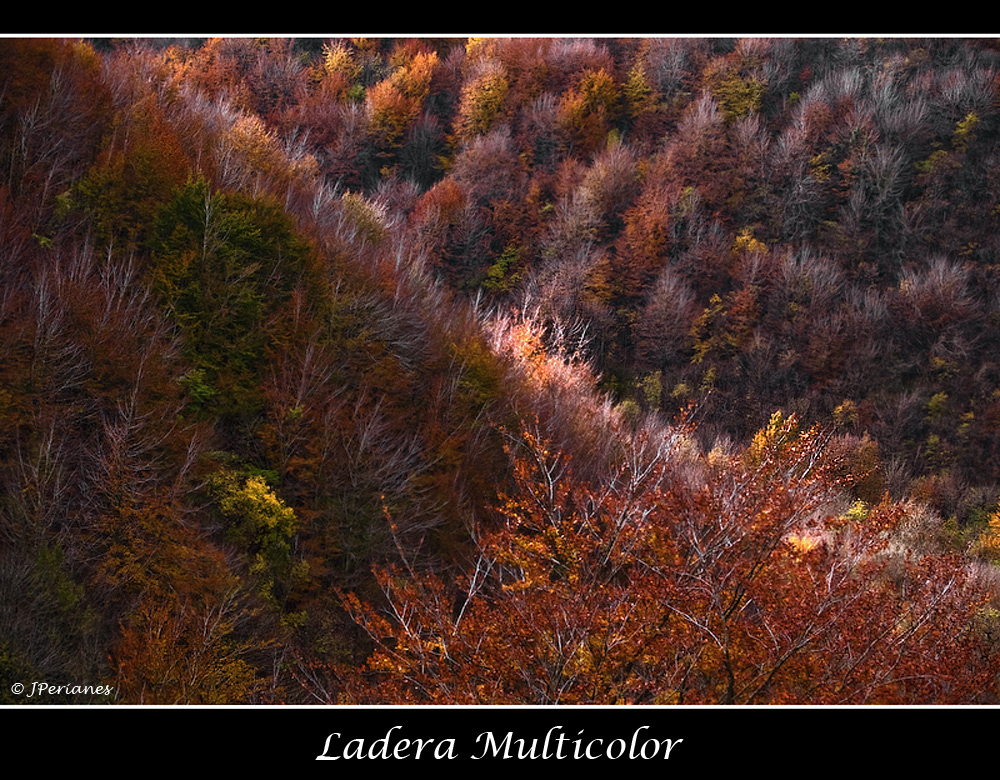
(504, 273)
(48, 626)
(14, 670)
(223, 264)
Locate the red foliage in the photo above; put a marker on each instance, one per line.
(681, 580)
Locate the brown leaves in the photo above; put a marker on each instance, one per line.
(676, 581)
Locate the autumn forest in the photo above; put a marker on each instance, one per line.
(500, 370)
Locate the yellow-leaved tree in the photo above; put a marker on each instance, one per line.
(262, 525)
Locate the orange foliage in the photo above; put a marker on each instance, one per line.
(732, 579)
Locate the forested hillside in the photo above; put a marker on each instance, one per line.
(500, 370)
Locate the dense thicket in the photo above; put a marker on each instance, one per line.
(501, 370)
